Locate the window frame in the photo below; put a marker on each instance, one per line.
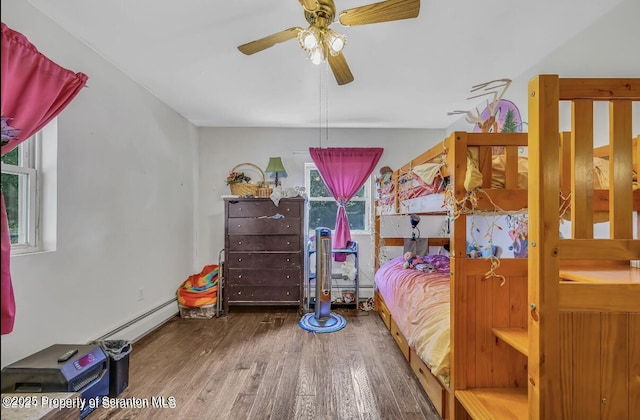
(367, 198)
(29, 214)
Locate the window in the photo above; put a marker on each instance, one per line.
(323, 207)
(19, 186)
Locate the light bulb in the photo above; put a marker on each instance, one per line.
(310, 41)
(335, 42)
(316, 56)
(337, 45)
(308, 38)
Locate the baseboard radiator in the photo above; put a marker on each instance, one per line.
(143, 324)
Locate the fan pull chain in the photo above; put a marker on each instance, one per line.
(320, 107)
(326, 99)
(324, 93)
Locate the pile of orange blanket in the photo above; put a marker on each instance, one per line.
(200, 289)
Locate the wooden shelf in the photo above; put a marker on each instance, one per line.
(495, 403)
(518, 338)
(615, 275)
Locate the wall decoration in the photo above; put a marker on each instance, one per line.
(500, 115)
(519, 234)
(504, 117)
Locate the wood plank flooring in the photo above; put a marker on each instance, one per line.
(257, 363)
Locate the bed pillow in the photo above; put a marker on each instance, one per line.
(473, 177)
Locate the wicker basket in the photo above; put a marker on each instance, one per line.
(246, 188)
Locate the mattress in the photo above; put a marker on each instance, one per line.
(419, 304)
(431, 203)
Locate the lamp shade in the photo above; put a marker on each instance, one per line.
(275, 169)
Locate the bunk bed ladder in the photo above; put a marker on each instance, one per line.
(582, 340)
(584, 320)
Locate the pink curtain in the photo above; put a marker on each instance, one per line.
(34, 91)
(344, 170)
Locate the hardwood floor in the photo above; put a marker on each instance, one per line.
(259, 364)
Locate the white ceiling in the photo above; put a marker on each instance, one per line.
(408, 73)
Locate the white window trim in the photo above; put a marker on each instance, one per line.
(30, 158)
(308, 167)
(41, 153)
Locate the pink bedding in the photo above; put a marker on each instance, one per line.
(419, 305)
(412, 186)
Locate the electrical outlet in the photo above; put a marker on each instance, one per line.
(140, 294)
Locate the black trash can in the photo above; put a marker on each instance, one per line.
(118, 352)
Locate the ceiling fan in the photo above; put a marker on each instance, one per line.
(322, 43)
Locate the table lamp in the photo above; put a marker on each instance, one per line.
(275, 169)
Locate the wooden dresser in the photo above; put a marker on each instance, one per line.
(264, 252)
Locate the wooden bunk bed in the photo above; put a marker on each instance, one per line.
(471, 318)
(557, 336)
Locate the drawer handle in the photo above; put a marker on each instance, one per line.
(239, 225)
(288, 259)
(239, 276)
(287, 293)
(239, 242)
(288, 242)
(239, 293)
(288, 226)
(288, 276)
(239, 259)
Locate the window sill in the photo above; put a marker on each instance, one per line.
(21, 252)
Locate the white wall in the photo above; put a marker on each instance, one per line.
(223, 148)
(607, 48)
(126, 204)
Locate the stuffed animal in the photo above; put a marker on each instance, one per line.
(411, 260)
(385, 174)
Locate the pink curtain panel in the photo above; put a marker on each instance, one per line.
(34, 91)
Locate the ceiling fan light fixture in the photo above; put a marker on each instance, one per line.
(322, 44)
(334, 41)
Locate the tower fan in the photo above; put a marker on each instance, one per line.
(323, 274)
(322, 319)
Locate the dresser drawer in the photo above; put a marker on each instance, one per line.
(264, 243)
(267, 277)
(264, 260)
(266, 295)
(266, 226)
(264, 207)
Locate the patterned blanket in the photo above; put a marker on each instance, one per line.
(200, 289)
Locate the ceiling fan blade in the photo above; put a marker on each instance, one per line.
(340, 69)
(309, 5)
(384, 11)
(269, 41)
